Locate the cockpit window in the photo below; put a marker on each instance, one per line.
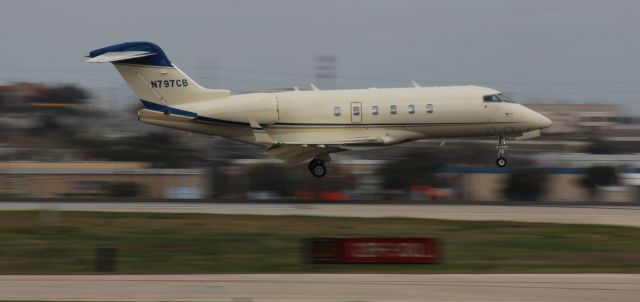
(497, 98)
(505, 99)
(491, 98)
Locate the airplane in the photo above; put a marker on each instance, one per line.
(299, 125)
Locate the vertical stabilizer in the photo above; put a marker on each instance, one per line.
(152, 76)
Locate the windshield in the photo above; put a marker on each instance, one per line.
(497, 98)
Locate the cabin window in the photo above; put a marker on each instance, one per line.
(393, 109)
(412, 109)
(337, 111)
(375, 110)
(429, 108)
(355, 110)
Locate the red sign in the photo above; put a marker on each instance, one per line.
(388, 250)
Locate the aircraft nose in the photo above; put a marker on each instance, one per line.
(544, 122)
(538, 120)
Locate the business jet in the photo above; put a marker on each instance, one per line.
(297, 125)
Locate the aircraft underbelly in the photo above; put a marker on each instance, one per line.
(378, 135)
(392, 134)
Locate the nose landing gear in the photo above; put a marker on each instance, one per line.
(501, 162)
(502, 144)
(317, 168)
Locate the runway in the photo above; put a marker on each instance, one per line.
(603, 215)
(323, 287)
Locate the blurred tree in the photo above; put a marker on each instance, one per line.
(49, 125)
(598, 176)
(525, 185)
(67, 94)
(159, 148)
(46, 123)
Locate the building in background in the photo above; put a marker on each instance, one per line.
(99, 179)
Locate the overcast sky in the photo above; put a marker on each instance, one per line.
(575, 51)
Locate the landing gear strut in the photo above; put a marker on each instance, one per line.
(317, 168)
(502, 144)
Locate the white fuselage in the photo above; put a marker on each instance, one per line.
(341, 115)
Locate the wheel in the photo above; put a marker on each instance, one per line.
(312, 164)
(501, 162)
(317, 168)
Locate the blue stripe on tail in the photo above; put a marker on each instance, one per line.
(159, 59)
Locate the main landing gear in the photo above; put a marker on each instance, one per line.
(317, 168)
(502, 144)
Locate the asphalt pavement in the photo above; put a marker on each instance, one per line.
(579, 214)
(324, 287)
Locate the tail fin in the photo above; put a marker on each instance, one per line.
(151, 75)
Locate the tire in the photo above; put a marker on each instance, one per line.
(501, 162)
(312, 164)
(318, 170)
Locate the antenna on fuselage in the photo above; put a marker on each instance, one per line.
(314, 87)
(416, 85)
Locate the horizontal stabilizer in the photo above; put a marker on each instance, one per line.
(115, 56)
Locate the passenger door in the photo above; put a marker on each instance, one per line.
(356, 112)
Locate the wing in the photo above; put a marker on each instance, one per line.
(298, 153)
(294, 152)
(367, 141)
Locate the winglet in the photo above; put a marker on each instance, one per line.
(314, 87)
(416, 85)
